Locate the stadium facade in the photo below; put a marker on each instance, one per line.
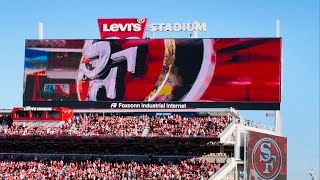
(146, 108)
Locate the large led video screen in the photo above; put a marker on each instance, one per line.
(198, 72)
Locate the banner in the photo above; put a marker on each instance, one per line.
(222, 71)
(267, 157)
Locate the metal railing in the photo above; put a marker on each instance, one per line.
(253, 124)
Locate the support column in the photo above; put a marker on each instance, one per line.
(40, 30)
(278, 123)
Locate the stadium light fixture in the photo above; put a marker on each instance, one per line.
(270, 115)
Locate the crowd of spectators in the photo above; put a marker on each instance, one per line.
(4, 119)
(30, 169)
(187, 126)
(223, 155)
(191, 168)
(110, 125)
(123, 126)
(42, 130)
(185, 169)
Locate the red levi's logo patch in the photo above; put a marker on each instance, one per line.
(122, 28)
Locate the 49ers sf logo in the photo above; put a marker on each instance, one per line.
(267, 159)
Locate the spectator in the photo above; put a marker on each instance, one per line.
(123, 126)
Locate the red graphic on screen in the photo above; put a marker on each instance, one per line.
(155, 70)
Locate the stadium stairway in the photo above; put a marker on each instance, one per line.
(227, 133)
(73, 127)
(145, 131)
(223, 172)
(63, 170)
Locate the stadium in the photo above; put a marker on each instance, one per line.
(127, 106)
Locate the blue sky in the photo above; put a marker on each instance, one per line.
(299, 28)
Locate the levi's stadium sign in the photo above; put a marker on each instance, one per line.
(177, 27)
(122, 28)
(135, 27)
